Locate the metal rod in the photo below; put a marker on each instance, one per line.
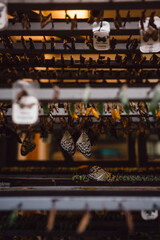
(77, 4)
(63, 29)
(79, 203)
(77, 64)
(75, 94)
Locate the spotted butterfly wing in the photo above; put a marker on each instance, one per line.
(97, 173)
(67, 143)
(73, 149)
(83, 145)
(28, 145)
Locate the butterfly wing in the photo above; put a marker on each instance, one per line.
(84, 145)
(67, 143)
(28, 145)
(97, 173)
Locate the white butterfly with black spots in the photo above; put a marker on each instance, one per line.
(83, 145)
(67, 143)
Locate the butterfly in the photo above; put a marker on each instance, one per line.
(83, 145)
(97, 173)
(28, 144)
(67, 143)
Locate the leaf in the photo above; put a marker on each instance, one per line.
(153, 109)
(72, 108)
(126, 109)
(12, 217)
(148, 106)
(45, 108)
(100, 108)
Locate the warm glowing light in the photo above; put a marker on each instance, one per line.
(69, 80)
(79, 13)
(53, 80)
(111, 81)
(44, 80)
(34, 38)
(99, 80)
(40, 68)
(59, 14)
(83, 80)
(153, 80)
(123, 80)
(50, 56)
(27, 79)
